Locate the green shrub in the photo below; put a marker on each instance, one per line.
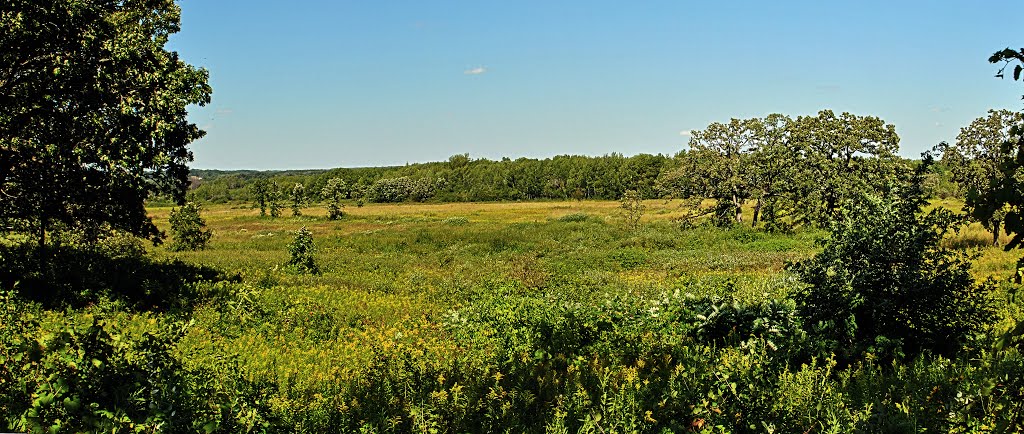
(274, 200)
(884, 285)
(575, 217)
(629, 258)
(724, 214)
(188, 229)
(632, 203)
(87, 373)
(301, 251)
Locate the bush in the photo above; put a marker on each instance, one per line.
(188, 228)
(633, 205)
(301, 250)
(93, 374)
(575, 217)
(724, 214)
(884, 285)
(116, 268)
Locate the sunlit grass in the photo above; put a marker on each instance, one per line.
(392, 272)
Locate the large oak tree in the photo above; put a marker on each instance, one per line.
(92, 113)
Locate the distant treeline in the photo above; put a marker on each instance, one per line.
(463, 179)
(793, 171)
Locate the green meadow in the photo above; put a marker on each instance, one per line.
(532, 316)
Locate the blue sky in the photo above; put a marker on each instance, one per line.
(319, 84)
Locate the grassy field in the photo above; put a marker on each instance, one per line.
(438, 251)
(395, 278)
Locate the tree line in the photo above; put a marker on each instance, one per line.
(793, 170)
(788, 171)
(461, 179)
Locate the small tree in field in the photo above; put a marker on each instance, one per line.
(274, 198)
(333, 193)
(633, 203)
(298, 198)
(301, 251)
(260, 190)
(188, 228)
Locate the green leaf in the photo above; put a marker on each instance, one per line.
(210, 426)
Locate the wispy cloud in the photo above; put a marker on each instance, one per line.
(686, 133)
(224, 111)
(475, 71)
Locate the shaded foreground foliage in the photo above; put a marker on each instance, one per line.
(74, 276)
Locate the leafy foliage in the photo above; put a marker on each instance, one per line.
(883, 284)
(274, 199)
(297, 197)
(975, 162)
(633, 205)
(96, 374)
(188, 229)
(94, 117)
(333, 192)
(1008, 57)
(301, 252)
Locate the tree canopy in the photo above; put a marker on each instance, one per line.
(975, 161)
(805, 168)
(94, 113)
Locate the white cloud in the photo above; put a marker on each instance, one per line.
(686, 133)
(475, 71)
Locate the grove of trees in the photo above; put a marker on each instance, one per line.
(804, 168)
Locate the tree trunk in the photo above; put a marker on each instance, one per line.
(995, 232)
(739, 209)
(757, 210)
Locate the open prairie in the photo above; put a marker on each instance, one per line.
(454, 292)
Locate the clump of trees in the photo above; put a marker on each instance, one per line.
(804, 168)
(266, 196)
(462, 178)
(401, 189)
